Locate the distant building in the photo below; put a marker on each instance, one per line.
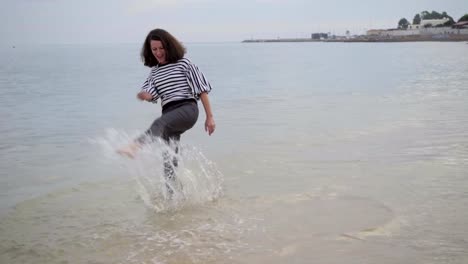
(429, 23)
(376, 32)
(459, 25)
(319, 36)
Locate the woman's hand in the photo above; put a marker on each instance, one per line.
(210, 125)
(144, 96)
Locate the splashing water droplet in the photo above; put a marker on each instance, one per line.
(168, 176)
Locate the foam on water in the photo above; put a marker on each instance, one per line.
(197, 178)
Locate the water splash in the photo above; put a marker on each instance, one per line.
(197, 179)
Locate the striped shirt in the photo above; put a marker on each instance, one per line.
(177, 81)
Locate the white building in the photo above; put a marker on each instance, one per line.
(429, 23)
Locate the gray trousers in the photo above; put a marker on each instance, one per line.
(173, 122)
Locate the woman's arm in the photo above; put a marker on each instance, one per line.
(209, 123)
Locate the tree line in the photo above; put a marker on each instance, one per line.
(404, 23)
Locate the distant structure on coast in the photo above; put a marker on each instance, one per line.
(319, 36)
(426, 30)
(425, 23)
(314, 37)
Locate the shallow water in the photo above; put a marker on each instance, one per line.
(324, 152)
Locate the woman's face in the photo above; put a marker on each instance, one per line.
(158, 51)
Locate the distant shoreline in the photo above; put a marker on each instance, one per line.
(438, 38)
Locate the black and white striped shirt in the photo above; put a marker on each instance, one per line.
(176, 81)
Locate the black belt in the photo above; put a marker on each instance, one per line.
(175, 104)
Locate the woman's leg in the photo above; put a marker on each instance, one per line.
(156, 130)
(182, 119)
(170, 163)
(168, 127)
(171, 124)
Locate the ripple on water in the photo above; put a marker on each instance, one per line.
(104, 224)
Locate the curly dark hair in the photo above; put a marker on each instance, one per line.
(174, 49)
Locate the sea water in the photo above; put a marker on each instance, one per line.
(323, 153)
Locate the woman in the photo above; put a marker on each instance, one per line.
(179, 84)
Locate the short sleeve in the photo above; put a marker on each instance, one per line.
(197, 81)
(149, 87)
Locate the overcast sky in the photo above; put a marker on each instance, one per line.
(128, 21)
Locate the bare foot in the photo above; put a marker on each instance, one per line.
(129, 150)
